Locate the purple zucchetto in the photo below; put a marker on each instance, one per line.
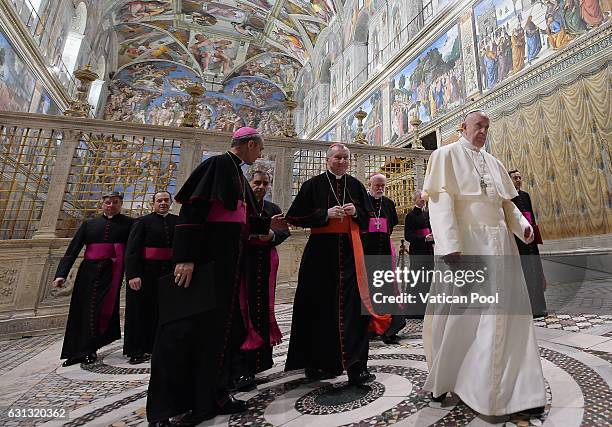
(245, 131)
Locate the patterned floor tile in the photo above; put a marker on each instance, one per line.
(99, 398)
(572, 322)
(17, 351)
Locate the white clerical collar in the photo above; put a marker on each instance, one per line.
(108, 216)
(377, 198)
(164, 215)
(337, 176)
(467, 144)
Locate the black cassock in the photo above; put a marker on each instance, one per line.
(530, 259)
(93, 319)
(189, 366)
(377, 241)
(262, 263)
(416, 227)
(328, 330)
(148, 255)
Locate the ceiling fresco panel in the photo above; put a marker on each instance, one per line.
(253, 49)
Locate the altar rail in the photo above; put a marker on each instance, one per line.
(54, 169)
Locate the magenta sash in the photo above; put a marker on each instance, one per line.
(527, 215)
(372, 225)
(157, 254)
(393, 266)
(218, 213)
(253, 340)
(114, 252)
(423, 232)
(276, 336)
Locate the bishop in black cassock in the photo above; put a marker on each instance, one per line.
(377, 242)
(329, 333)
(204, 326)
(93, 319)
(262, 263)
(530, 254)
(148, 257)
(417, 231)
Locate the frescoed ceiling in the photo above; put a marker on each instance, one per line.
(221, 39)
(247, 54)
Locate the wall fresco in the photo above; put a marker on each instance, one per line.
(429, 86)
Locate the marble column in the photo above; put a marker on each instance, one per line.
(190, 159)
(57, 186)
(419, 173)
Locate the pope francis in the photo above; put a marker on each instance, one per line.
(490, 357)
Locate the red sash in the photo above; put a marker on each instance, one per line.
(114, 252)
(378, 323)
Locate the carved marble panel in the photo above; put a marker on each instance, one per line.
(9, 278)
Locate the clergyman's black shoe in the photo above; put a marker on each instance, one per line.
(438, 399)
(361, 378)
(245, 383)
(390, 340)
(188, 419)
(316, 374)
(90, 358)
(138, 359)
(73, 361)
(232, 406)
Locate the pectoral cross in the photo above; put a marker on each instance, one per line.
(378, 225)
(483, 184)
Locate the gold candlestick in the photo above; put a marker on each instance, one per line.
(360, 137)
(289, 130)
(79, 107)
(192, 118)
(415, 122)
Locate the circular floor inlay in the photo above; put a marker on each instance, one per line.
(340, 397)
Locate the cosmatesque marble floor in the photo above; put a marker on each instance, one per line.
(576, 352)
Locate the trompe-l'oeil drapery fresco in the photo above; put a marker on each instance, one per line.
(562, 142)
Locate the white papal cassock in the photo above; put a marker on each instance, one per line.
(489, 359)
